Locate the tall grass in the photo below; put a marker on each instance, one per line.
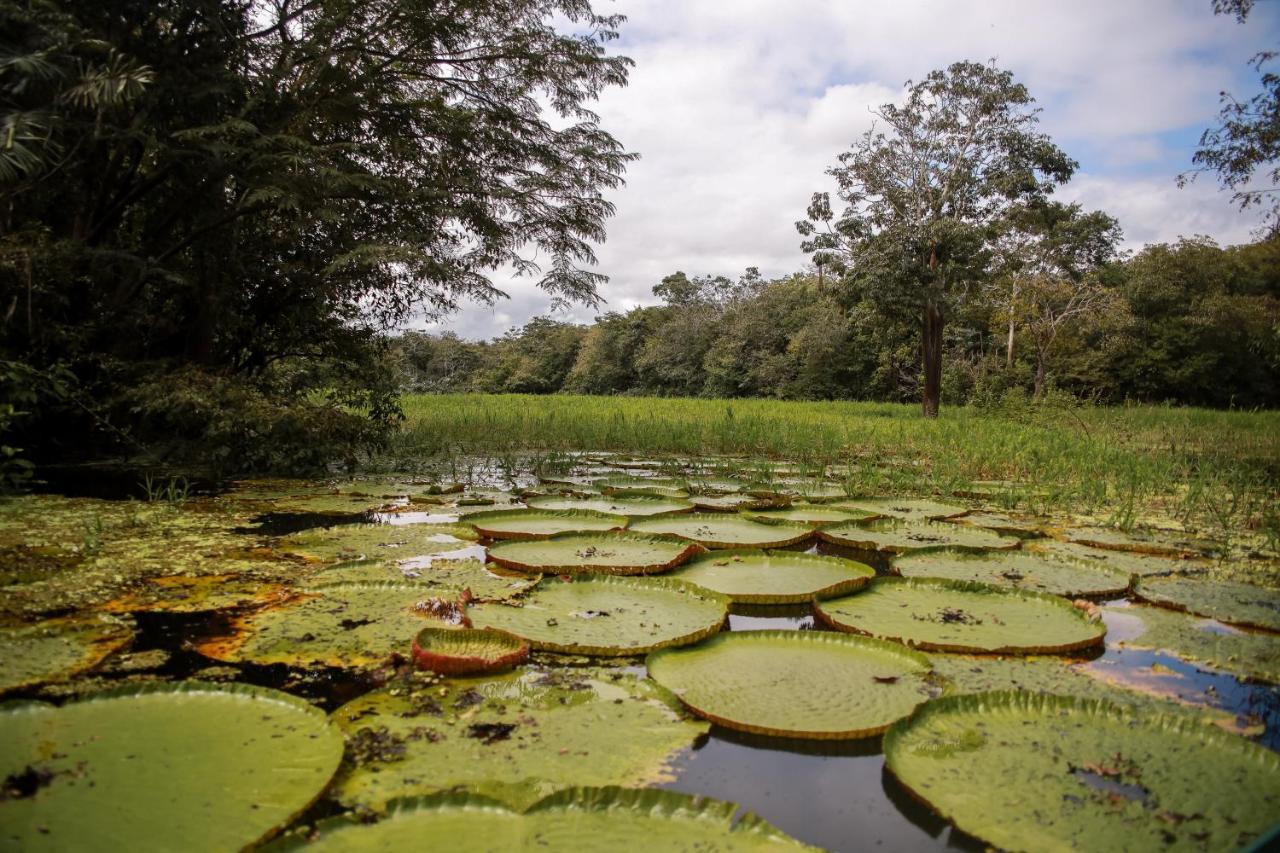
(1129, 461)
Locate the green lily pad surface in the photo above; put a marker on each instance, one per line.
(1236, 603)
(461, 651)
(574, 819)
(190, 765)
(907, 509)
(1165, 543)
(630, 507)
(812, 514)
(607, 616)
(1008, 525)
(1017, 569)
(1251, 654)
(897, 536)
(602, 553)
(630, 487)
(196, 594)
(1024, 771)
(377, 541)
(717, 530)
(956, 616)
(802, 684)
(341, 624)
(439, 575)
(516, 737)
(56, 649)
(540, 524)
(734, 502)
(751, 576)
(1137, 565)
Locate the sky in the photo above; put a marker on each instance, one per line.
(737, 108)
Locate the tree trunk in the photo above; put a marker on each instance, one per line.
(931, 352)
(1008, 352)
(1039, 388)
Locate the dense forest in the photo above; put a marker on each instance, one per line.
(1187, 323)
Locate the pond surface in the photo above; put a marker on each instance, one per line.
(70, 557)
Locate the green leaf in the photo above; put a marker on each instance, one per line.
(752, 576)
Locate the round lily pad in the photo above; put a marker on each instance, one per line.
(957, 616)
(341, 624)
(638, 506)
(909, 509)
(630, 487)
(896, 536)
(437, 575)
(377, 541)
(717, 530)
(811, 514)
(1252, 654)
(735, 502)
(603, 553)
(541, 524)
(56, 649)
(752, 576)
(1017, 569)
(1236, 603)
(574, 819)
(196, 594)
(516, 736)
(1003, 523)
(1026, 771)
(801, 684)
(1137, 565)
(1164, 543)
(206, 767)
(606, 615)
(458, 651)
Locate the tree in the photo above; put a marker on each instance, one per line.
(255, 189)
(1247, 138)
(921, 194)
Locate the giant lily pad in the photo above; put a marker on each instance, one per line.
(439, 575)
(1016, 569)
(751, 576)
(896, 536)
(1247, 653)
(200, 766)
(541, 524)
(606, 615)
(574, 819)
(717, 530)
(908, 509)
(638, 506)
(459, 651)
(630, 487)
(811, 514)
(56, 649)
(803, 684)
(1024, 771)
(341, 624)
(956, 616)
(735, 502)
(377, 541)
(515, 737)
(196, 594)
(1237, 603)
(605, 553)
(1137, 565)
(1163, 543)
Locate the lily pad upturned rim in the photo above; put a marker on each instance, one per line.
(800, 532)
(968, 586)
(478, 521)
(533, 501)
(830, 591)
(683, 556)
(654, 659)
(1033, 701)
(508, 650)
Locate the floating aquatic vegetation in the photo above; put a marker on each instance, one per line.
(1003, 523)
(957, 616)
(1039, 572)
(898, 536)
(574, 819)
(802, 684)
(631, 507)
(1236, 603)
(439, 575)
(1025, 771)
(516, 737)
(541, 524)
(811, 514)
(1160, 543)
(459, 651)
(718, 530)
(609, 616)
(753, 576)
(1137, 565)
(630, 487)
(196, 594)
(604, 553)
(204, 766)
(57, 649)
(1246, 653)
(907, 509)
(344, 624)
(377, 541)
(736, 502)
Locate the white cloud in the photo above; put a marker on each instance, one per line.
(738, 108)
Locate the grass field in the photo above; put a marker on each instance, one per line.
(1207, 469)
